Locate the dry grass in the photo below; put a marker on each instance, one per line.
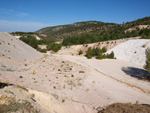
(126, 108)
(16, 106)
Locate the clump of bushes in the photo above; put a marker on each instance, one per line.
(33, 42)
(55, 47)
(98, 53)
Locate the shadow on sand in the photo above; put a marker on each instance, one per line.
(140, 74)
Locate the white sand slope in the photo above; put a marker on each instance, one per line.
(131, 51)
(13, 48)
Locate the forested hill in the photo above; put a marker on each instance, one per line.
(90, 27)
(76, 29)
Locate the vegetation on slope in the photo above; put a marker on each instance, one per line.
(75, 29)
(126, 108)
(33, 42)
(104, 36)
(25, 34)
(145, 33)
(90, 27)
(98, 53)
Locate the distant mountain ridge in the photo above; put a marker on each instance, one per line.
(89, 27)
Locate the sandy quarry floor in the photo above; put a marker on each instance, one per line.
(68, 83)
(80, 82)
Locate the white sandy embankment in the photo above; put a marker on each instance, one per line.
(13, 48)
(132, 51)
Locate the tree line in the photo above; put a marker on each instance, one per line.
(104, 36)
(23, 33)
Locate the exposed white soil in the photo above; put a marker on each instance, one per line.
(132, 51)
(13, 48)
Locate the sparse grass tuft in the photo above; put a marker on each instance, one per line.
(63, 100)
(20, 77)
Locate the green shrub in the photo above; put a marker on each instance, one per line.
(55, 47)
(63, 100)
(20, 77)
(89, 56)
(104, 49)
(33, 42)
(80, 52)
(100, 55)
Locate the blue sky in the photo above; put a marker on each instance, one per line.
(32, 15)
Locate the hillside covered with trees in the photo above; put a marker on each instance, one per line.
(93, 27)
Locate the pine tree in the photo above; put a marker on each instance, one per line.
(33, 42)
(147, 65)
(104, 49)
(100, 55)
(111, 56)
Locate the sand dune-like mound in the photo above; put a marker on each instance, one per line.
(132, 51)
(13, 48)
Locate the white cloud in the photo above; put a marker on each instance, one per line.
(12, 26)
(12, 12)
